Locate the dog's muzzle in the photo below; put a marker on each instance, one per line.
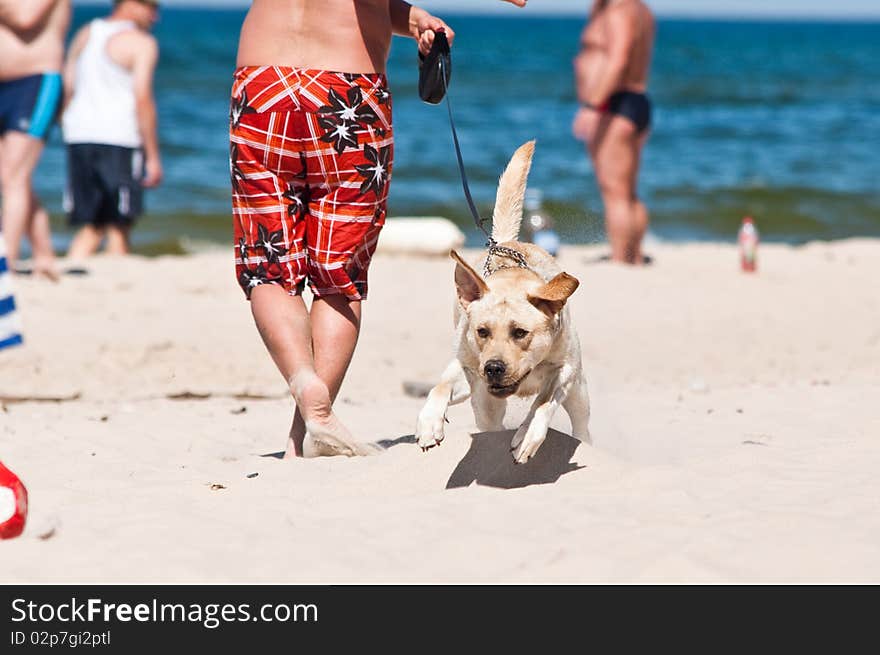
(503, 391)
(496, 371)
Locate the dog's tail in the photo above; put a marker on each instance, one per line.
(508, 212)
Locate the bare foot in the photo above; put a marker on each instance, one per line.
(329, 441)
(325, 434)
(46, 268)
(319, 447)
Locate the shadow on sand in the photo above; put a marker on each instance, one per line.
(390, 443)
(647, 260)
(384, 444)
(488, 462)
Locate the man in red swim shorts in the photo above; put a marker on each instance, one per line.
(310, 158)
(311, 151)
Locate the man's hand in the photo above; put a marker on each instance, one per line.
(153, 175)
(422, 27)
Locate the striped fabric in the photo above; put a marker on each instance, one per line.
(10, 329)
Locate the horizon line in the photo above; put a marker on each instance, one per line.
(563, 13)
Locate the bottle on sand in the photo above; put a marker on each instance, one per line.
(13, 504)
(538, 223)
(748, 245)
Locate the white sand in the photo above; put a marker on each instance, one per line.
(735, 419)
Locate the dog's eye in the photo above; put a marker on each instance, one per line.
(519, 333)
(483, 333)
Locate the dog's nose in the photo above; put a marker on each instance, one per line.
(494, 369)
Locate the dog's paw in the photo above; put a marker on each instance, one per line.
(526, 441)
(429, 429)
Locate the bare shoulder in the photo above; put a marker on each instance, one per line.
(81, 35)
(628, 10)
(646, 13)
(137, 43)
(631, 14)
(138, 37)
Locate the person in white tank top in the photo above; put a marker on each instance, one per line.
(109, 125)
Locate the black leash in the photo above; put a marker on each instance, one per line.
(441, 42)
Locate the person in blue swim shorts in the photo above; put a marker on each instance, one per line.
(32, 42)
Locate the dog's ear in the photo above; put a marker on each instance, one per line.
(551, 297)
(468, 283)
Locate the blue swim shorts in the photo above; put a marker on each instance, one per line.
(30, 104)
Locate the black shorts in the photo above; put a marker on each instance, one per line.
(103, 184)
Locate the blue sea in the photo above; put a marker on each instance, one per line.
(779, 120)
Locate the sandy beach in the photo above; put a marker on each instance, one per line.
(735, 425)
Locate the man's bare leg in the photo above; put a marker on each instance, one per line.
(335, 325)
(85, 242)
(117, 240)
(619, 228)
(21, 152)
(41, 242)
(641, 227)
(616, 160)
(643, 218)
(285, 326)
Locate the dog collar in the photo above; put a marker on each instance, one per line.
(505, 252)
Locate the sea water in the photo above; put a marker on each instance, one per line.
(778, 120)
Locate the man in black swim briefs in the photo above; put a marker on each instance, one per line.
(611, 77)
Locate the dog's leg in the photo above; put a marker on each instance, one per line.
(452, 389)
(533, 431)
(577, 406)
(488, 410)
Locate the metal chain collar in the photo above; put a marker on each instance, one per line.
(503, 251)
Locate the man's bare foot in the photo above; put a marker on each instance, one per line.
(326, 441)
(47, 269)
(325, 434)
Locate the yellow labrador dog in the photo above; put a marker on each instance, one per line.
(514, 334)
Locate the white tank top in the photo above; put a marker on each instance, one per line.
(102, 109)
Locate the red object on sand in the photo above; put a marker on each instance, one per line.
(748, 245)
(13, 504)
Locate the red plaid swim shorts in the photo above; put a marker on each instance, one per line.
(310, 160)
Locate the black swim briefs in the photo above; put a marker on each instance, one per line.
(632, 105)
